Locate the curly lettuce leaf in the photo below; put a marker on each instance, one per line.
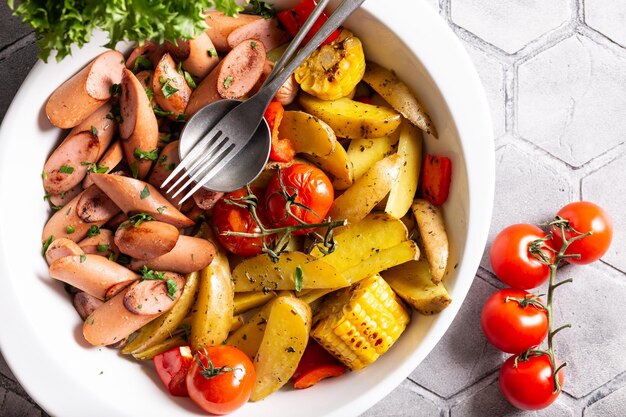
(59, 24)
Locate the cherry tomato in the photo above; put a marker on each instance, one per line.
(231, 218)
(314, 190)
(172, 367)
(221, 379)
(585, 217)
(509, 326)
(294, 19)
(511, 260)
(530, 385)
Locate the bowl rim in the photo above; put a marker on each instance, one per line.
(457, 81)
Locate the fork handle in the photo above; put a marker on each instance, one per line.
(341, 13)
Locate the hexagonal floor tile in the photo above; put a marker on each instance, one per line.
(594, 347)
(510, 24)
(528, 191)
(490, 402)
(463, 356)
(404, 401)
(602, 187)
(572, 98)
(613, 404)
(491, 74)
(610, 23)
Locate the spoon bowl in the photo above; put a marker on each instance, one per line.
(241, 170)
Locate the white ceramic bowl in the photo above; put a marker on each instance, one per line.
(41, 333)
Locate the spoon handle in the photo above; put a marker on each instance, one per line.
(341, 13)
(297, 40)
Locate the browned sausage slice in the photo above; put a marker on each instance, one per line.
(63, 170)
(148, 50)
(111, 158)
(60, 248)
(91, 273)
(206, 199)
(145, 79)
(202, 57)
(95, 206)
(149, 297)
(171, 91)
(85, 304)
(266, 31)
(139, 129)
(168, 160)
(147, 240)
(220, 26)
(103, 126)
(82, 94)
(112, 322)
(59, 200)
(135, 196)
(205, 93)
(102, 244)
(190, 254)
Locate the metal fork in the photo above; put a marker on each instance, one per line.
(231, 134)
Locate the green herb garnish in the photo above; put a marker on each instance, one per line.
(171, 288)
(93, 231)
(212, 52)
(46, 244)
(66, 169)
(102, 248)
(69, 229)
(261, 8)
(298, 279)
(142, 63)
(145, 193)
(150, 156)
(228, 81)
(137, 219)
(150, 274)
(168, 89)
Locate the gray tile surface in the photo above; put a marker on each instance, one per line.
(555, 77)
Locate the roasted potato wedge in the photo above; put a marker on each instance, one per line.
(162, 327)
(245, 301)
(399, 96)
(432, 230)
(363, 153)
(160, 347)
(285, 338)
(338, 165)
(308, 134)
(212, 313)
(248, 337)
(261, 274)
(382, 260)
(412, 281)
(352, 119)
(404, 188)
(361, 198)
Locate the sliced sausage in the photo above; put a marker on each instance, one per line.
(60, 248)
(234, 77)
(179, 50)
(167, 161)
(147, 240)
(64, 169)
(220, 26)
(170, 88)
(190, 254)
(89, 89)
(94, 274)
(149, 297)
(148, 50)
(202, 57)
(102, 125)
(139, 129)
(95, 206)
(206, 199)
(111, 158)
(267, 31)
(135, 196)
(66, 223)
(85, 304)
(288, 92)
(102, 244)
(115, 222)
(112, 321)
(60, 200)
(145, 79)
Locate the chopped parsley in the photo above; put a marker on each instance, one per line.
(89, 320)
(95, 168)
(171, 288)
(167, 89)
(150, 94)
(170, 167)
(46, 197)
(160, 112)
(228, 81)
(253, 45)
(142, 63)
(190, 80)
(83, 258)
(212, 52)
(134, 169)
(181, 118)
(94, 131)
(145, 193)
(161, 209)
(66, 169)
(261, 8)
(46, 244)
(150, 274)
(150, 156)
(102, 248)
(93, 231)
(69, 229)
(137, 219)
(298, 279)
(44, 175)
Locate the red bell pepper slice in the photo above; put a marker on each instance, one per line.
(172, 367)
(436, 177)
(293, 20)
(282, 149)
(316, 364)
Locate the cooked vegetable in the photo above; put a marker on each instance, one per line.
(308, 134)
(249, 336)
(333, 70)
(211, 315)
(284, 341)
(245, 301)
(436, 177)
(316, 364)
(57, 25)
(171, 367)
(352, 119)
(413, 283)
(432, 230)
(337, 165)
(282, 147)
(359, 200)
(363, 153)
(360, 323)
(382, 260)
(261, 274)
(403, 189)
(161, 347)
(398, 94)
(294, 19)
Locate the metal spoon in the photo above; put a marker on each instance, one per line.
(229, 132)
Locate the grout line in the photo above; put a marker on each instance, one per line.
(18, 45)
(601, 39)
